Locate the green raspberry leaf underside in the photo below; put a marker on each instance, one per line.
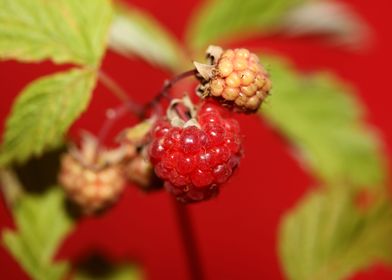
(43, 112)
(327, 236)
(66, 31)
(220, 19)
(324, 122)
(42, 224)
(136, 33)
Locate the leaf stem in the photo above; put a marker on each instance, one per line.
(188, 240)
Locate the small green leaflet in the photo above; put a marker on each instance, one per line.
(218, 19)
(327, 237)
(136, 33)
(120, 272)
(43, 112)
(66, 31)
(325, 124)
(42, 224)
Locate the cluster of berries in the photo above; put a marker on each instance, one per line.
(192, 150)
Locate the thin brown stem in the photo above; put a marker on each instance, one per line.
(188, 240)
(120, 93)
(164, 92)
(112, 116)
(129, 105)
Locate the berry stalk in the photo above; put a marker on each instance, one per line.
(188, 240)
(164, 92)
(129, 105)
(112, 116)
(120, 93)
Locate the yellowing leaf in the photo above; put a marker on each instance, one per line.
(43, 112)
(219, 19)
(62, 30)
(327, 237)
(336, 20)
(324, 122)
(136, 33)
(42, 224)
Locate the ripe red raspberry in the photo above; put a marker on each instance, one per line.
(93, 183)
(237, 80)
(194, 160)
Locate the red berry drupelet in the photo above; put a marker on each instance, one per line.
(194, 160)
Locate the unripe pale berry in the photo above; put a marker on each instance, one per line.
(93, 179)
(91, 189)
(237, 80)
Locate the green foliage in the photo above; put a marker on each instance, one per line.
(121, 272)
(336, 21)
(42, 224)
(66, 31)
(62, 30)
(219, 19)
(325, 123)
(328, 237)
(43, 112)
(136, 33)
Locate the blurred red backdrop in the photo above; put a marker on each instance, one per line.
(236, 233)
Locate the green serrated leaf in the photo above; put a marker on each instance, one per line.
(324, 121)
(135, 32)
(42, 224)
(43, 112)
(218, 19)
(327, 237)
(70, 31)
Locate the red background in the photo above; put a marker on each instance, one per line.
(236, 233)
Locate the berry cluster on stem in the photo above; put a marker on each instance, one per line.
(195, 147)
